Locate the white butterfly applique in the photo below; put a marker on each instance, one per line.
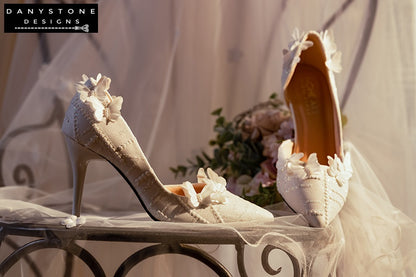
(214, 191)
(90, 82)
(112, 110)
(100, 100)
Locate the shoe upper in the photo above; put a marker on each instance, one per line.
(93, 119)
(314, 190)
(318, 191)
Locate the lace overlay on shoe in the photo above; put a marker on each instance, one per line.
(310, 188)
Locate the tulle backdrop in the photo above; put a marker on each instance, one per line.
(176, 61)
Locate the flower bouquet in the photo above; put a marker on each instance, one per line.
(245, 150)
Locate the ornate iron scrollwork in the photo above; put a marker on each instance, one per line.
(52, 236)
(71, 248)
(297, 271)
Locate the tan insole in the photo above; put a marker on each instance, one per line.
(309, 96)
(177, 189)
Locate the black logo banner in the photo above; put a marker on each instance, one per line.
(50, 18)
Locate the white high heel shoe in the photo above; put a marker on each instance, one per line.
(95, 129)
(313, 171)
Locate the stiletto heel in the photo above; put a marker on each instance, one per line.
(94, 129)
(79, 157)
(313, 171)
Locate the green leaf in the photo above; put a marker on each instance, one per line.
(179, 171)
(200, 161)
(217, 112)
(208, 158)
(220, 121)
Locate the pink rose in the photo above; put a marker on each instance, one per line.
(263, 123)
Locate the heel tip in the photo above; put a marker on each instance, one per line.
(73, 221)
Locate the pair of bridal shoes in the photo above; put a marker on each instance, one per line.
(313, 170)
(94, 128)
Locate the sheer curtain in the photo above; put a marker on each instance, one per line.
(176, 61)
